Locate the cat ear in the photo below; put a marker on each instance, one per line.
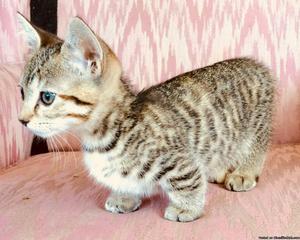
(83, 46)
(31, 34)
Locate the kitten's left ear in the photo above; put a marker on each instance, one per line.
(83, 47)
(31, 34)
(35, 37)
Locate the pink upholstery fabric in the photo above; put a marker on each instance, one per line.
(156, 40)
(53, 198)
(11, 48)
(15, 140)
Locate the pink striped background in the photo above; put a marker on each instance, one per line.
(15, 141)
(156, 40)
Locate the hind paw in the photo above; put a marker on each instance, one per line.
(239, 183)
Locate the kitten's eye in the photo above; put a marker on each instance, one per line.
(47, 97)
(22, 93)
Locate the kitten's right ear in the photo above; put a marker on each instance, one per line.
(31, 34)
(82, 46)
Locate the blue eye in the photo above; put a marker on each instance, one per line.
(47, 97)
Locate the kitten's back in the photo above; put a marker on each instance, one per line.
(225, 103)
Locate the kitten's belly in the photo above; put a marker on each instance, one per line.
(106, 172)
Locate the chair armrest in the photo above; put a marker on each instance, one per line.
(15, 141)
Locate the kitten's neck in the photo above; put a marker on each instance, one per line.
(113, 106)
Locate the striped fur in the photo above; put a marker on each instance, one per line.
(212, 123)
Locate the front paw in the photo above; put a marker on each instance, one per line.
(122, 204)
(181, 215)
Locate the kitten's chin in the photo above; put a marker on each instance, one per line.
(45, 134)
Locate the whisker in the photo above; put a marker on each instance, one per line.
(79, 140)
(63, 150)
(71, 148)
(53, 150)
(58, 144)
(69, 145)
(58, 152)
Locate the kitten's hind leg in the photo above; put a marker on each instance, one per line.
(121, 203)
(245, 177)
(187, 197)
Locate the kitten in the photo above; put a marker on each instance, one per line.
(211, 124)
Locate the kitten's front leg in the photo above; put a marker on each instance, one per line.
(122, 203)
(186, 198)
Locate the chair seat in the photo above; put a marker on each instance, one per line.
(51, 196)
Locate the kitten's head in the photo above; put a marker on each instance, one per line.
(64, 80)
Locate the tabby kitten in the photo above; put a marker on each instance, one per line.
(211, 124)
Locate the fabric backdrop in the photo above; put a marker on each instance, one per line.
(15, 140)
(156, 40)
